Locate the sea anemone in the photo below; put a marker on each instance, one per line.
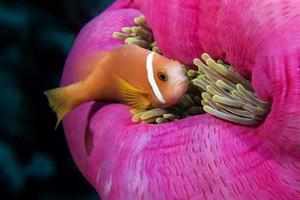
(202, 156)
(225, 93)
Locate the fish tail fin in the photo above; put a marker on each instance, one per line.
(60, 102)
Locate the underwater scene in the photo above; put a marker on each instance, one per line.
(150, 99)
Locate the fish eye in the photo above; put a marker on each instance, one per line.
(162, 76)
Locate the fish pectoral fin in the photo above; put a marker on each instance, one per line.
(133, 96)
(58, 101)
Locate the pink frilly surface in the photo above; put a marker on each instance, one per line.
(199, 157)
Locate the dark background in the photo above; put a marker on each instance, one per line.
(35, 38)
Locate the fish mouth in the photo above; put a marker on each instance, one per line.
(183, 86)
(182, 83)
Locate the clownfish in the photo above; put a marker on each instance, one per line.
(130, 74)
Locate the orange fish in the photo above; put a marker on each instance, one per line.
(129, 74)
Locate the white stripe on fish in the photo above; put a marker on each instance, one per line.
(155, 89)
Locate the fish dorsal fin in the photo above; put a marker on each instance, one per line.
(133, 96)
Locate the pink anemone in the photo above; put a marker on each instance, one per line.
(200, 157)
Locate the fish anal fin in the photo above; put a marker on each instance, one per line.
(133, 96)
